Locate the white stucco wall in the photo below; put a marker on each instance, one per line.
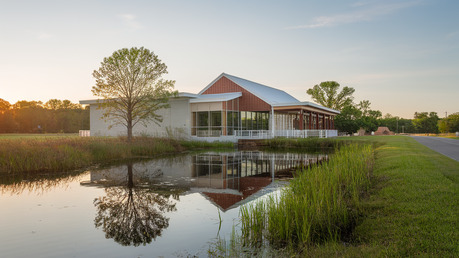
(176, 121)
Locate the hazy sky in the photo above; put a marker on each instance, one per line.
(402, 56)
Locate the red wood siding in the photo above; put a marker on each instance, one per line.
(247, 102)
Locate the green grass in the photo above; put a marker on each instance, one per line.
(413, 209)
(322, 203)
(58, 153)
(304, 144)
(450, 137)
(410, 209)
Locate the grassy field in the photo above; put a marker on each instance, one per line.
(444, 135)
(11, 136)
(413, 208)
(451, 137)
(410, 209)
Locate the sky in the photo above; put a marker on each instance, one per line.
(402, 56)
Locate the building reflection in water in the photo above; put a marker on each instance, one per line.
(226, 179)
(138, 196)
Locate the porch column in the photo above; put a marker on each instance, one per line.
(301, 119)
(310, 121)
(224, 124)
(317, 121)
(272, 121)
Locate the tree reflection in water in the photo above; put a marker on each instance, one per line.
(132, 215)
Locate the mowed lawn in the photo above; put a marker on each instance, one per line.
(413, 207)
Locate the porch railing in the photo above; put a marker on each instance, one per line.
(84, 133)
(253, 134)
(266, 134)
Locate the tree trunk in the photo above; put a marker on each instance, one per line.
(129, 132)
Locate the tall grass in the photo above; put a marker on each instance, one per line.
(320, 204)
(58, 154)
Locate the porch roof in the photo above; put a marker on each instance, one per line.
(305, 105)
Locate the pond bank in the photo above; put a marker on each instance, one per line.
(57, 154)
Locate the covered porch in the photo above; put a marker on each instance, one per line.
(298, 120)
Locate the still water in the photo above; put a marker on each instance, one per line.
(164, 207)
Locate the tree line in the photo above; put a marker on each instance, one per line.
(54, 116)
(355, 116)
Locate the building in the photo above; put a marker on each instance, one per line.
(383, 130)
(230, 108)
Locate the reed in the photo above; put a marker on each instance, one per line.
(59, 154)
(321, 203)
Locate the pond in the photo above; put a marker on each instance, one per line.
(163, 207)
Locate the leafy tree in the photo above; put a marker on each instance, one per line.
(132, 215)
(364, 106)
(65, 116)
(327, 95)
(369, 123)
(130, 81)
(424, 122)
(53, 104)
(29, 116)
(348, 120)
(449, 124)
(7, 123)
(52, 117)
(370, 118)
(4, 105)
(397, 124)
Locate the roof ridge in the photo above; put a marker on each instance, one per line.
(268, 94)
(252, 82)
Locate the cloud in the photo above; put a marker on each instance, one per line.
(367, 11)
(131, 21)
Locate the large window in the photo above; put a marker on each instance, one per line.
(207, 123)
(232, 122)
(254, 120)
(210, 123)
(203, 119)
(216, 123)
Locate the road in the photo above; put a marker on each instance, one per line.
(445, 146)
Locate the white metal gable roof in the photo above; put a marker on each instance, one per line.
(268, 94)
